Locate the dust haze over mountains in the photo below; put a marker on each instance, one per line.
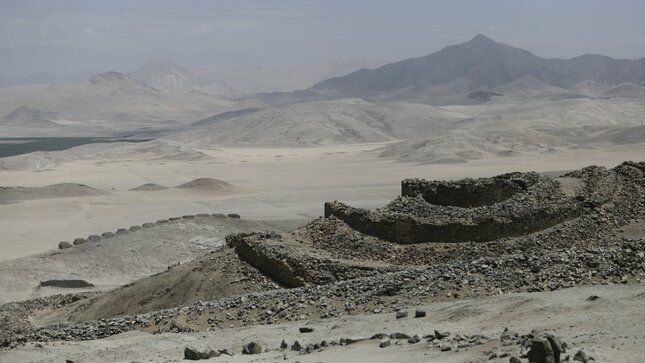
(290, 178)
(461, 103)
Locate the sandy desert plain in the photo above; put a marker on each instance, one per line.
(269, 183)
(278, 188)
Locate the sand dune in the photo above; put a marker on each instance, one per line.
(149, 187)
(206, 185)
(63, 190)
(199, 184)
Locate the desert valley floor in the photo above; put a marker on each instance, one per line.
(267, 183)
(275, 189)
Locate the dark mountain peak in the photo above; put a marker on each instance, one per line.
(590, 57)
(480, 63)
(481, 38)
(483, 45)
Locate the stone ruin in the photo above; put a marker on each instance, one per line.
(434, 222)
(589, 243)
(469, 192)
(479, 210)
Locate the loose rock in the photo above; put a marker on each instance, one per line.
(385, 343)
(581, 356)
(401, 314)
(399, 336)
(441, 334)
(79, 241)
(192, 353)
(541, 351)
(252, 348)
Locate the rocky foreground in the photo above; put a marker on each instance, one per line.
(543, 234)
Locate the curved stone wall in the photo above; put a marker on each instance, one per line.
(469, 192)
(508, 205)
(407, 229)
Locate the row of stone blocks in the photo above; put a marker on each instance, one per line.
(95, 237)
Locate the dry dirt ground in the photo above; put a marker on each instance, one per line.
(278, 189)
(288, 183)
(610, 329)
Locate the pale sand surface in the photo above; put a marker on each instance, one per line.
(608, 329)
(275, 183)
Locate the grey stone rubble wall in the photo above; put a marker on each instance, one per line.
(120, 231)
(407, 229)
(268, 262)
(292, 267)
(469, 192)
(541, 205)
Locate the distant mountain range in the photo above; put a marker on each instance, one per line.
(161, 75)
(172, 78)
(480, 64)
(110, 100)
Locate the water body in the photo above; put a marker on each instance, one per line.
(19, 145)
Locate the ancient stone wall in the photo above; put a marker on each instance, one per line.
(469, 192)
(407, 229)
(292, 264)
(264, 260)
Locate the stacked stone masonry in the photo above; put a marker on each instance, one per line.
(508, 205)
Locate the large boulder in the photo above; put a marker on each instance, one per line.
(79, 241)
(252, 348)
(194, 353)
(541, 351)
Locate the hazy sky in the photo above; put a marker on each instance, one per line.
(299, 32)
